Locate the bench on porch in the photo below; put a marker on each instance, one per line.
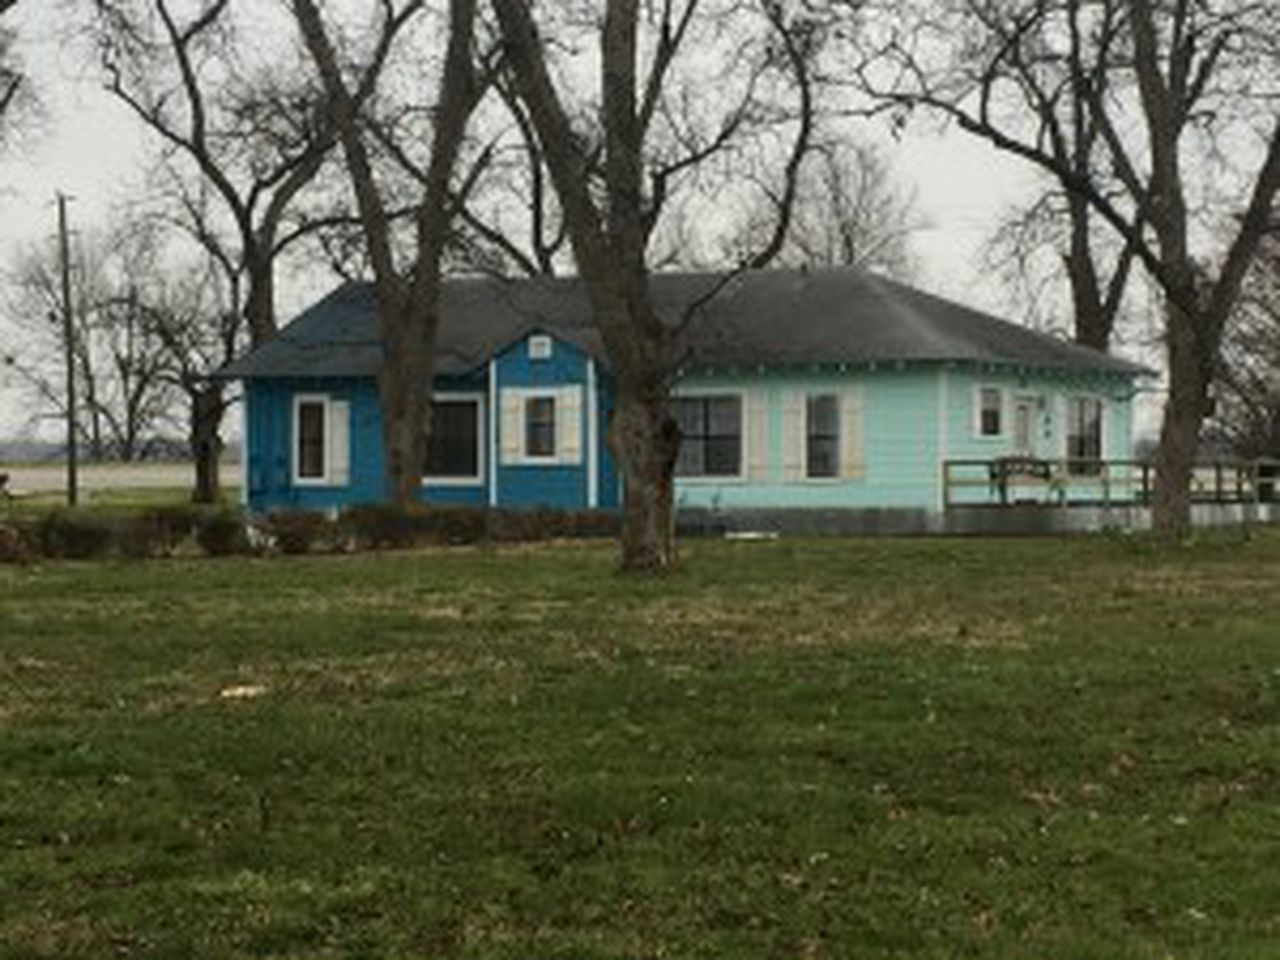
(1020, 467)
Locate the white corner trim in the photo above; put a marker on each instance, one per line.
(944, 439)
(244, 445)
(592, 439)
(492, 434)
(298, 400)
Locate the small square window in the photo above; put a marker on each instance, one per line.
(990, 412)
(540, 427)
(540, 347)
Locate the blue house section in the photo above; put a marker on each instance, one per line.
(353, 422)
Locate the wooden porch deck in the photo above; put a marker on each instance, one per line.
(1030, 481)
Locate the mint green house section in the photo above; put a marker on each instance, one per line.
(908, 419)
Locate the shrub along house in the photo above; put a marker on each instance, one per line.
(799, 393)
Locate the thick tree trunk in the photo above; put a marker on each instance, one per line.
(260, 307)
(1092, 322)
(207, 408)
(646, 442)
(1184, 413)
(404, 392)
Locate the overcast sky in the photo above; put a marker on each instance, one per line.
(89, 147)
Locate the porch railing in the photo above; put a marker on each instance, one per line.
(1006, 481)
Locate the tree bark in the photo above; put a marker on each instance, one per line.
(646, 442)
(207, 407)
(407, 306)
(260, 305)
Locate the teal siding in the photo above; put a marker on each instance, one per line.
(898, 428)
(1051, 392)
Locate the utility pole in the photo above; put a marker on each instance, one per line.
(68, 335)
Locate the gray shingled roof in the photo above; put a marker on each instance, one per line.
(774, 317)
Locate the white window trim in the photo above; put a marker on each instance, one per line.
(528, 459)
(325, 401)
(976, 419)
(841, 436)
(744, 450)
(478, 478)
(1104, 432)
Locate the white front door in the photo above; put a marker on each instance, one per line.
(1024, 425)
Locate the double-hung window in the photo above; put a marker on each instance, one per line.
(454, 441)
(990, 419)
(822, 436)
(1084, 434)
(540, 427)
(711, 435)
(321, 440)
(311, 430)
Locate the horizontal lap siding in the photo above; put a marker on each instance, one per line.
(560, 486)
(898, 430)
(963, 443)
(270, 421)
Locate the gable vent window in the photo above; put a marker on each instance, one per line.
(540, 347)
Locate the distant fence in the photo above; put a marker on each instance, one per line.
(1022, 481)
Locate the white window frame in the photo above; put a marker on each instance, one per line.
(836, 394)
(976, 423)
(539, 393)
(1104, 437)
(744, 449)
(482, 431)
(299, 399)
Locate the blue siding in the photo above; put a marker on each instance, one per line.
(270, 424)
(556, 486)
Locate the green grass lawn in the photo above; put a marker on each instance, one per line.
(1009, 749)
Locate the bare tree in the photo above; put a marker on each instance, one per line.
(11, 78)
(241, 141)
(127, 401)
(1246, 409)
(848, 212)
(1063, 268)
(407, 299)
(510, 222)
(1199, 77)
(256, 133)
(614, 171)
